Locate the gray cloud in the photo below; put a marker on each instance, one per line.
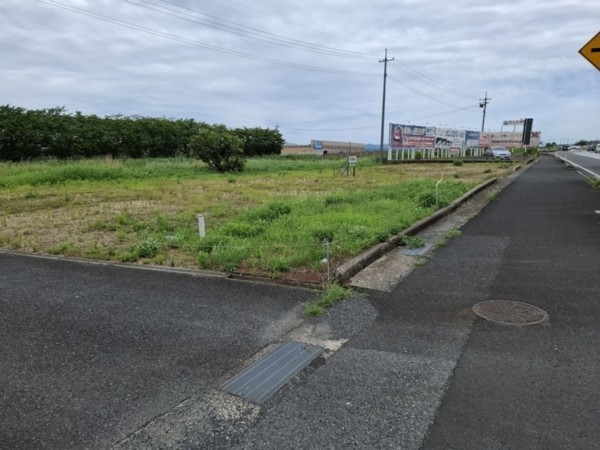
(208, 62)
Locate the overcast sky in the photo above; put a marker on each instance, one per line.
(312, 67)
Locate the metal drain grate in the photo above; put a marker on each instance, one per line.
(509, 312)
(263, 378)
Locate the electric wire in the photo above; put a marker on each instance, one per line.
(246, 31)
(242, 30)
(405, 68)
(329, 129)
(443, 113)
(264, 36)
(196, 43)
(299, 25)
(430, 82)
(423, 93)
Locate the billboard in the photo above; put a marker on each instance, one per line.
(509, 139)
(409, 136)
(527, 125)
(472, 138)
(414, 136)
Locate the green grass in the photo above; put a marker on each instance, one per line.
(275, 217)
(594, 182)
(56, 172)
(285, 235)
(412, 241)
(443, 240)
(493, 195)
(330, 296)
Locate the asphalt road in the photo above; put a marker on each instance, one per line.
(539, 386)
(585, 159)
(91, 353)
(99, 357)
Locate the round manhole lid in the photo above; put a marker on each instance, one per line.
(509, 312)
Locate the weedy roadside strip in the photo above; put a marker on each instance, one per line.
(273, 219)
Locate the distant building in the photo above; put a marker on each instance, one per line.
(322, 148)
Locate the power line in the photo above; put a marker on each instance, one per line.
(328, 129)
(195, 43)
(423, 93)
(420, 75)
(406, 68)
(300, 25)
(428, 81)
(243, 30)
(443, 113)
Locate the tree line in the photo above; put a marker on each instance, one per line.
(55, 133)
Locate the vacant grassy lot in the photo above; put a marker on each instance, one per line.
(280, 215)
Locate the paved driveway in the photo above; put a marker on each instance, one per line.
(91, 353)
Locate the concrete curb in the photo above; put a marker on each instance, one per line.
(351, 267)
(97, 262)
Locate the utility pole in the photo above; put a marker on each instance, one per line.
(483, 104)
(384, 61)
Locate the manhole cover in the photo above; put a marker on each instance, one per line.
(510, 313)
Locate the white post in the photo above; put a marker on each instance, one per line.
(201, 228)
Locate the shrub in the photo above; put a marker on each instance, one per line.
(219, 148)
(457, 163)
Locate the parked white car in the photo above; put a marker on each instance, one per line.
(597, 148)
(498, 153)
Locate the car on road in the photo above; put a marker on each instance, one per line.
(597, 148)
(499, 153)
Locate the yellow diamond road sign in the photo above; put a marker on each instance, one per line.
(591, 51)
